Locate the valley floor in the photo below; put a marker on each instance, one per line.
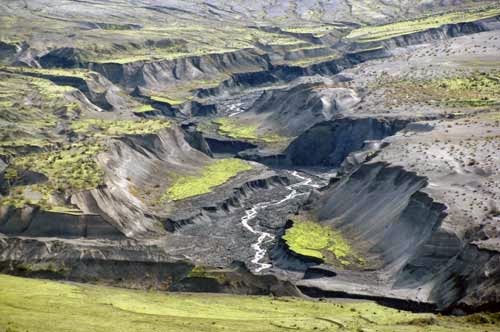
(39, 305)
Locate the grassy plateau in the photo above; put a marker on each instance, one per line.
(213, 175)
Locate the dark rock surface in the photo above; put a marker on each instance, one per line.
(329, 143)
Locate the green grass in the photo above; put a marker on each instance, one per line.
(311, 239)
(377, 33)
(29, 305)
(100, 127)
(231, 128)
(211, 176)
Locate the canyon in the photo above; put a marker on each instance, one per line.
(325, 150)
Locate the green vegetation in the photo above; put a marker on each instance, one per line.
(231, 128)
(25, 142)
(183, 91)
(311, 239)
(30, 100)
(28, 107)
(144, 108)
(213, 175)
(190, 40)
(39, 305)
(100, 127)
(161, 37)
(317, 30)
(77, 73)
(50, 90)
(203, 272)
(72, 168)
(474, 90)
(147, 57)
(44, 267)
(314, 60)
(377, 33)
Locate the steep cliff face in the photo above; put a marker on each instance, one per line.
(156, 75)
(411, 252)
(354, 53)
(139, 162)
(444, 32)
(95, 88)
(116, 208)
(132, 265)
(32, 222)
(382, 209)
(329, 143)
(286, 73)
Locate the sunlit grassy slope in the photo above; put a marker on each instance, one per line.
(36, 305)
(213, 175)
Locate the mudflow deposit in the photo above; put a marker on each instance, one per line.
(340, 156)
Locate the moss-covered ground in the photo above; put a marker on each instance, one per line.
(377, 33)
(234, 129)
(210, 176)
(311, 239)
(29, 305)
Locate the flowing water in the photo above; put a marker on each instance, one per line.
(264, 237)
